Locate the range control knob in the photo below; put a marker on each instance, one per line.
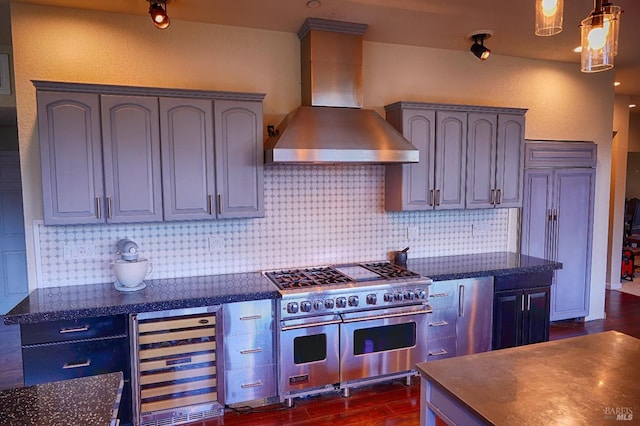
(329, 303)
(318, 304)
(409, 295)
(371, 299)
(292, 307)
(353, 301)
(388, 297)
(420, 293)
(305, 306)
(398, 296)
(341, 302)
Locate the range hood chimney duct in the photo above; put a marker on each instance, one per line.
(331, 126)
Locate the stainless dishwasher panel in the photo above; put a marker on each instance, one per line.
(475, 315)
(176, 366)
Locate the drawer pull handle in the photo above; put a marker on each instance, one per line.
(251, 351)
(70, 365)
(251, 385)
(438, 324)
(250, 317)
(440, 352)
(74, 329)
(439, 295)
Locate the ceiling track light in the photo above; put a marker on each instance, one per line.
(599, 37)
(158, 13)
(549, 16)
(478, 48)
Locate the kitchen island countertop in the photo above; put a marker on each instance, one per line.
(585, 380)
(87, 401)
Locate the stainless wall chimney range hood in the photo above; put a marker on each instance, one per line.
(331, 126)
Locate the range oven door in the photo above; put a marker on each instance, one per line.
(309, 353)
(382, 341)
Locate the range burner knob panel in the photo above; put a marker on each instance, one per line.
(292, 308)
(353, 301)
(305, 306)
(329, 303)
(388, 297)
(371, 299)
(341, 302)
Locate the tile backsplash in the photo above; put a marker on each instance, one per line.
(314, 215)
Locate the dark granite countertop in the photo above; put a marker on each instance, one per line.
(93, 300)
(87, 401)
(445, 268)
(513, 386)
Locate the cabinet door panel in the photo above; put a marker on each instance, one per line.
(536, 208)
(186, 130)
(71, 157)
(573, 193)
(131, 144)
(450, 169)
(481, 160)
(510, 160)
(507, 319)
(536, 318)
(239, 159)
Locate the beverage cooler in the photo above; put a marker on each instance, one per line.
(175, 366)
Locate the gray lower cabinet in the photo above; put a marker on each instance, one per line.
(495, 160)
(557, 218)
(113, 154)
(470, 157)
(249, 351)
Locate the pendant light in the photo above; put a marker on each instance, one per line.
(598, 38)
(158, 13)
(549, 15)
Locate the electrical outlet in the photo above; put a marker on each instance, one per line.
(79, 252)
(480, 229)
(216, 245)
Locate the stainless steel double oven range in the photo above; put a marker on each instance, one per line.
(347, 325)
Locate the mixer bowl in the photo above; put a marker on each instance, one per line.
(131, 274)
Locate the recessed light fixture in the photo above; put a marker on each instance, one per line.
(616, 83)
(313, 4)
(632, 105)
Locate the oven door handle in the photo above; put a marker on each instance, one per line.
(425, 309)
(308, 324)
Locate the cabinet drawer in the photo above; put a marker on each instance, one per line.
(248, 351)
(48, 363)
(255, 316)
(250, 383)
(442, 323)
(77, 329)
(441, 348)
(442, 294)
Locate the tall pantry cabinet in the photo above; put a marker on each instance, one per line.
(557, 218)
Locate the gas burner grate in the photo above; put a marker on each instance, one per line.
(300, 278)
(389, 270)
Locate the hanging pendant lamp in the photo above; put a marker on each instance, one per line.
(549, 16)
(598, 38)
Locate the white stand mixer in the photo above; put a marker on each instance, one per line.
(129, 269)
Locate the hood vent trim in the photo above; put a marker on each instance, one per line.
(330, 127)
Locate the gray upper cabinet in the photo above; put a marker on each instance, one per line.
(128, 154)
(131, 152)
(470, 157)
(437, 180)
(186, 126)
(557, 219)
(495, 160)
(71, 157)
(239, 159)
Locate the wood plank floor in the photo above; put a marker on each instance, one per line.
(395, 404)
